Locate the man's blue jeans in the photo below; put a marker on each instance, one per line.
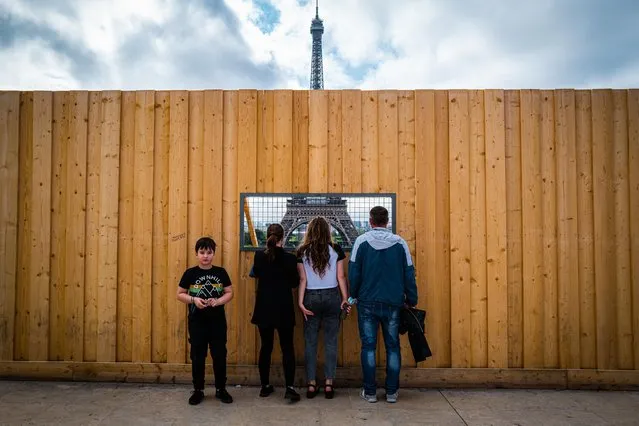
(369, 316)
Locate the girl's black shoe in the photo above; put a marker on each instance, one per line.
(196, 397)
(266, 390)
(291, 395)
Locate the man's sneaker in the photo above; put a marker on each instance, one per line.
(368, 398)
(196, 397)
(291, 394)
(266, 390)
(223, 396)
(392, 397)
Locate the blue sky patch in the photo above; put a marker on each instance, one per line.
(269, 16)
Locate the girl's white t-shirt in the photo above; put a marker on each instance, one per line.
(329, 280)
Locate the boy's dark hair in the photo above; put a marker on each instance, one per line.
(379, 216)
(205, 243)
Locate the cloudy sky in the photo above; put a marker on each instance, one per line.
(368, 44)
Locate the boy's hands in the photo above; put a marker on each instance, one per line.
(199, 303)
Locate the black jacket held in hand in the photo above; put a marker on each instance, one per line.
(274, 299)
(412, 320)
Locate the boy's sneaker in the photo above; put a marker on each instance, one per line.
(196, 397)
(291, 394)
(368, 398)
(223, 396)
(266, 390)
(392, 397)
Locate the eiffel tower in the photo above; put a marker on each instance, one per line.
(301, 209)
(317, 69)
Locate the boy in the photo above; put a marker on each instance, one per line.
(205, 289)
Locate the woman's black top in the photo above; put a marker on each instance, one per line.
(274, 299)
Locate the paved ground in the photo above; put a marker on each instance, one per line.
(136, 404)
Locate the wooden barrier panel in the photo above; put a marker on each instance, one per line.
(517, 207)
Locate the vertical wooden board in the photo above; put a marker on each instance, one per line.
(25, 167)
(57, 287)
(406, 186)
(143, 227)
(300, 140)
(425, 216)
(496, 229)
(585, 219)
(514, 229)
(108, 225)
(230, 212)
(318, 141)
(351, 182)
(460, 228)
(92, 237)
(532, 230)
(622, 231)
(76, 226)
(266, 140)
(370, 142)
(633, 167)
(125, 247)
(567, 230)
(334, 166)
(477, 217)
(283, 141)
(549, 195)
(177, 228)
(161, 290)
(604, 228)
(9, 175)
(40, 235)
(246, 182)
(212, 198)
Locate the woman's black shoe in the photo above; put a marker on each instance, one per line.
(266, 390)
(291, 395)
(196, 397)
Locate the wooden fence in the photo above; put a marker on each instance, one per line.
(517, 206)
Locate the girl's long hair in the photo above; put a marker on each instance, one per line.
(315, 245)
(274, 234)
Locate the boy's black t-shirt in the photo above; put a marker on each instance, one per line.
(205, 284)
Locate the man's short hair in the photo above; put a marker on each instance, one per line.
(205, 243)
(379, 216)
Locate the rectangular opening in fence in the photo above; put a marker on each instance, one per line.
(347, 215)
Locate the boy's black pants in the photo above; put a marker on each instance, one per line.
(267, 335)
(205, 336)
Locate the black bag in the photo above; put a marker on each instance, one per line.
(412, 321)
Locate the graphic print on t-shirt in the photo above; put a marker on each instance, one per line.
(206, 287)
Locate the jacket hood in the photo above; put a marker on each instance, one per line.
(382, 238)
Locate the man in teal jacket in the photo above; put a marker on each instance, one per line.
(382, 279)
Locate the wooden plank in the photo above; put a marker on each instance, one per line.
(567, 230)
(370, 142)
(406, 186)
(76, 226)
(532, 230)
(549, 199)
(283, 140)
(334, 154)
(300, 141)
(633, 167)
(266, 140)
(230, 215)
(246, 182)
(213, 135)
(351, 182)
(496, 229)
(177, 228)
(585, 219)
(92, 238)
(9, 176)
(107, 291)
(621, 190)
(425, 215)
(477, 218)
(143, 227)
(604, 228)
(318, 141)
(161, 290)
(126, 230)
(195, 209)
(514, 231)
(460, 228)
(57, 287)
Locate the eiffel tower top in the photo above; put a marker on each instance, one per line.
(317, 24)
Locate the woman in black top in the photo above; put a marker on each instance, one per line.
(276, 273)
